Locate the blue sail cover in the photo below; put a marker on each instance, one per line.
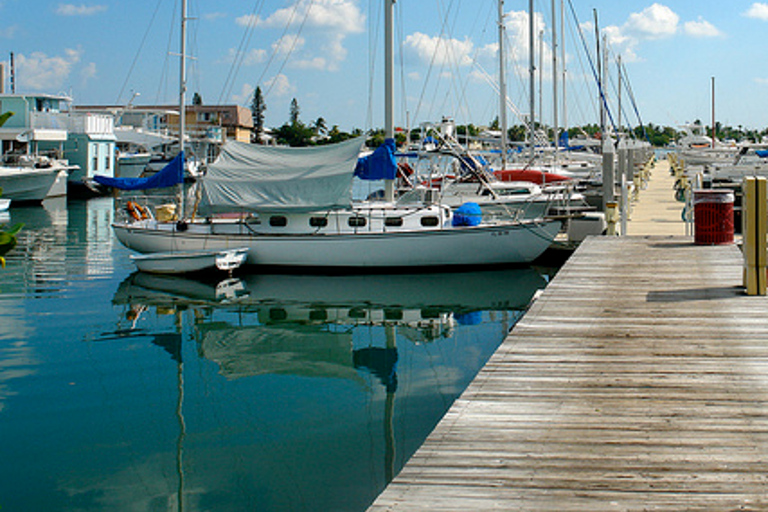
(170, 175)
(379, 165)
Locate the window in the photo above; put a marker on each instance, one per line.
(318, 222)
(278, 221)
(429, 221)
(356, 222)
(393, 222)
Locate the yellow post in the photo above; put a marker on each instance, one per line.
(611, 217)
(754, 224)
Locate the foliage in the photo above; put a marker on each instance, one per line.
(8, 241)
(258, 107)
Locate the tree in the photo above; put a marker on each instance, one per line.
(294, 114)
(197, 100)
(320, 126)
(257, 114)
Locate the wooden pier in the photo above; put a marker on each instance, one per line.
(638, 380)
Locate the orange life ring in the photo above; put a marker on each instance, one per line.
(136, 211)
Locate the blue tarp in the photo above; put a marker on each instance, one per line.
(379, 165)
(468, 214)
(170, 175)
(762, 153)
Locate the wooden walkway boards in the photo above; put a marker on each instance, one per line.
(637, 381)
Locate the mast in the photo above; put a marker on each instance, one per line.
(502, 88)
(562, 49)
(532, 78)
(713, 112)
(618, 68)
(599, 63)
(389, 85)
(182, 97)
(556, 128)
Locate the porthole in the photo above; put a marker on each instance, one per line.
(356, 222)
(318, 222)
(393, 222)
(278, 221)
(429, 221)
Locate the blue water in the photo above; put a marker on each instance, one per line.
(123, 391)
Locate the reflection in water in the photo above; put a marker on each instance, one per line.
(123, 390)
(332, 327)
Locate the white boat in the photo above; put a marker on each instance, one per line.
(24, 183)
(295, 209)
(5, 204)
(185, 262)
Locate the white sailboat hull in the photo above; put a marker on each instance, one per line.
(502, 243)
(27, 183)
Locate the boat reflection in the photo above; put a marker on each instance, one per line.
(283, 321)
(354, 329)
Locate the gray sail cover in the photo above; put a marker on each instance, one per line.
(267, 178)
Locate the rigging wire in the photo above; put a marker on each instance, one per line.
(164, 76)
(138, 52)
(594, 71)
(239, 56)
(293, 43)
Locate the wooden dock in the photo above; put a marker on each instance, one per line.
(637, 381)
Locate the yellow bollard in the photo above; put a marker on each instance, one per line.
(611, 217)
(754, 223)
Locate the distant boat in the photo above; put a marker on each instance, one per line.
(5, 204)
(30, 178)
(184, 262)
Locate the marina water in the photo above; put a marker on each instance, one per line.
(126, 391)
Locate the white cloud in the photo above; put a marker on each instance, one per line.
(761, 81)
(213, 16)
(251, 58)
(79, 10)
(288, 44)
(279, 85)
(701, 28)
(89, 71)
(41, 72)
(339, 15)
(440, 51)
(324, 26)
(758, 11)
(654, 22)
(246, 94)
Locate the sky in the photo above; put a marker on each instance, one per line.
(327, 54)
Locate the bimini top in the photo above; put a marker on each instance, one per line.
(266, 178)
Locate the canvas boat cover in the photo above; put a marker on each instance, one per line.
(266, 178)
(170, 175)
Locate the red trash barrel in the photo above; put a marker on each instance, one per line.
(713, 217)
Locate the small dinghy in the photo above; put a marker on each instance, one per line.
(5, 204)
(184, 262)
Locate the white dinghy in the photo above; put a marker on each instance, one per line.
(190, 261)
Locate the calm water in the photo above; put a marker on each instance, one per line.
(123, 391)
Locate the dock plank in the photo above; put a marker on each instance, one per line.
(638, 380)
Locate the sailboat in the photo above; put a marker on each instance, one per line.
(293, 207)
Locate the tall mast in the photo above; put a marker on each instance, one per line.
(554, 78)
(182, 97)
(502, 88)
(713, 112)
(532, 77)
(562, 49)
(389, 84)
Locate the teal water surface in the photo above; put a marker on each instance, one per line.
(125, 391)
